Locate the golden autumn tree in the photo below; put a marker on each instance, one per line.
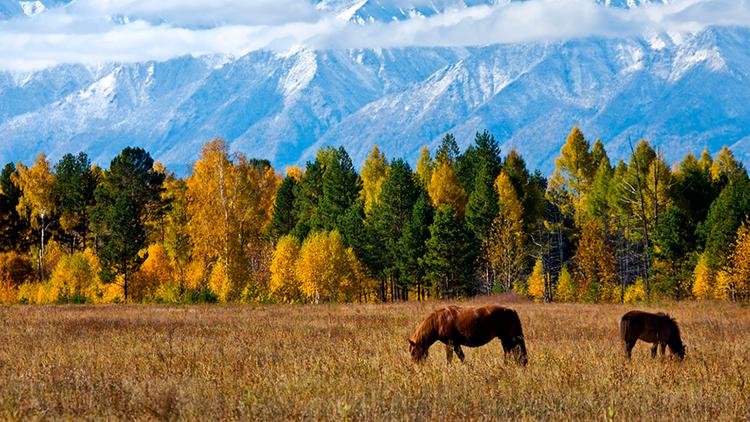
(573, 174)
(596, 269)
(424, 166)
(284, 283)
(37, 200)
(535, 283)
(703, 284)
(327, 270)
(738, 268)
(445, 189)
(229, 205)
(155, 278)
(725, 166)
(566, 289)
(75, 278)
(374, 171)
(504, 247)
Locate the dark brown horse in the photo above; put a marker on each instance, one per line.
(658, 328)
(472, 327)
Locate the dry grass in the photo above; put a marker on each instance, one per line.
(350, 361)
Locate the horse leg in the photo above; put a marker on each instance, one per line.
(448, 352)
(662, 347)
(629, 348)
(653, 350)
(459, 352)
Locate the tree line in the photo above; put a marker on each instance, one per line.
(460, 223)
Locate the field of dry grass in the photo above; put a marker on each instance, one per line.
(351, 361)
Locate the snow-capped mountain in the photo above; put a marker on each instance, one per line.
(682, 92)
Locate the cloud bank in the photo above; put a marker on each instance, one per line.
(104, 31)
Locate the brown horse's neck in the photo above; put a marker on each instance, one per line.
(427, 334)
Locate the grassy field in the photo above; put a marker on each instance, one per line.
(351, 361)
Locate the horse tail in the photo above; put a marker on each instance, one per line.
(624, 327)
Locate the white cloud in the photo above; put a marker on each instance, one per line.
(97, 31)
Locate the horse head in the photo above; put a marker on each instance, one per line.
(417, 351)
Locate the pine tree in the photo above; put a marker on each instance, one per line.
(448, 151)
(284, 219)
(693, 191)
(450, 259)
(482, 207)
(484, 153)
(412, 245)
(121, 202)
(725, 216)
(15, 232)
(341, 186)
(397, 198)
(306, 198)
(76, 183)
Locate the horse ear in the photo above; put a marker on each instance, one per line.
(412, 343)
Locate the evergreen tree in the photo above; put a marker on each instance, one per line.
(448, 151)
(284, 219)
(306, 197)
(482, 207)
(413, 245)
(694, 192)
(674, 240)
(450, 259)
(725, 216)
(121, 203)
(341, 186)
(484, 153)
(76, 183)
(15, 232)
(398, 195)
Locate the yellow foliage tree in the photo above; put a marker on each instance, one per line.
(504, 247)
(566, 289)
(295, 172)
(536, 282)
(636, 292)
(573, 174)
(327, 270)
(596, 270)
(284, 283)
(229, 204)
(723, 286)
(155, 280)
(373, 172)
(739, 265)
(38, 199)
(424, 167)
(75, 279)
(703, 285)
(445, 189)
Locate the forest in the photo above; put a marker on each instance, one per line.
(458, 224)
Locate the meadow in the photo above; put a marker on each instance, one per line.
(336, 362)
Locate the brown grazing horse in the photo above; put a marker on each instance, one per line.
(472, 327)
(659, 329)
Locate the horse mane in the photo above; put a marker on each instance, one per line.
(426, 329)
(672, 323)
